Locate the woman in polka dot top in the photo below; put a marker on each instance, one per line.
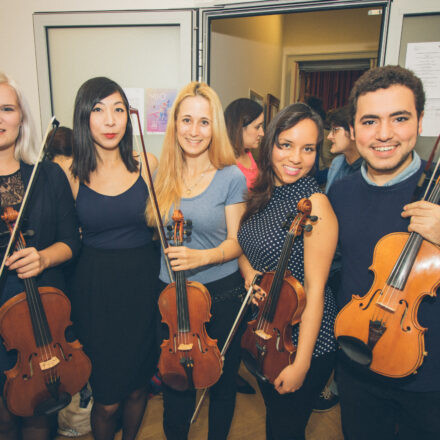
(286, 160)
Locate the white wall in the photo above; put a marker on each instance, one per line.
(17, 45)
(246, 53)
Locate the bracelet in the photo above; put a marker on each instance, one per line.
(223, 255)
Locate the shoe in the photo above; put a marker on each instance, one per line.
(326, 401)
(243, 386)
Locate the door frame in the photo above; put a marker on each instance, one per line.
(277, 7)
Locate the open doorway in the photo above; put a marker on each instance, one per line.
(290, 55)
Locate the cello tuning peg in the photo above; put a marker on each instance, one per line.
(308, 228)
(2, 234)
(313, 218)
(285, 225)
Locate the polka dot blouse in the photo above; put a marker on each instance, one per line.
(262, 238)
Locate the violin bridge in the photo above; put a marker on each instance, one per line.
(50, 363)
(262, 334)
(385, 307)
(185, 347)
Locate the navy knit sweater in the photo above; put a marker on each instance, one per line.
(366, 213)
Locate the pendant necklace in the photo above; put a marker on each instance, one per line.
(190, 188)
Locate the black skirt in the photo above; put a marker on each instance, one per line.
(114, 310)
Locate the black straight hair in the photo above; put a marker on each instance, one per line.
(84, 152)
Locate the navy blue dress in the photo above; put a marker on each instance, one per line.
(114, 295)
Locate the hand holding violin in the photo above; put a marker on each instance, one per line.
(184, 258)
(425, 220)
(28, 262)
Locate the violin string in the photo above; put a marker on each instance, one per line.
(389, 291)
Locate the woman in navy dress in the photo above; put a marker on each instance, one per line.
(114, 303)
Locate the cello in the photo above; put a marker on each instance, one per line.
(49, 370)
(267, 342)
(189, 357)
(380, 330)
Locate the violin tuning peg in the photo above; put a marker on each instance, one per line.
(169, 227)
(284, 225)
(308, 228)
(313, 218)
(29, 233)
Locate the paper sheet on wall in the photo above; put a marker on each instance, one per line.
(136, 99)
(424, 60)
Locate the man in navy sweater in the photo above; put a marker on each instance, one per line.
(387, 110)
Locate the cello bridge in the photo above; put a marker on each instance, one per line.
(50, 363)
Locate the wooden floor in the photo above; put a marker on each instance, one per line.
(248, 423)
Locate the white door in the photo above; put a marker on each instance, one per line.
(147, 51)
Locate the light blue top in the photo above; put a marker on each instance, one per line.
(340, 168)
(207, 213)
(411, 169)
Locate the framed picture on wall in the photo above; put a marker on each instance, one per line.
(256, 97)
(273, 107)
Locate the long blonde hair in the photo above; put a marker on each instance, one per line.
(26, 148)
(168, 184)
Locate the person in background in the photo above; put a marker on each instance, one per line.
(286, 163)
(197, 174)
(114, 291)
(325, 157)
(60, 148)
(386, 107)
(347, 162)
(342, 144)
(244, 120)
(50, 213)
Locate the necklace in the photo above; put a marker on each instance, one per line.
(189, 188)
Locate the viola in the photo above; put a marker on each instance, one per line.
(189, 357)
(267, 342)
(49, 370)
(380, 330)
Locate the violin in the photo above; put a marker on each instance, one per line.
(189, 357)
(267, 342)
(380, 330)
(49, 370)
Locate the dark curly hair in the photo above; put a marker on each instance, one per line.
(382, 78)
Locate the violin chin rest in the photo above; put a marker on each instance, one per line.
(356, 350)
(252, 365)
(52, 405)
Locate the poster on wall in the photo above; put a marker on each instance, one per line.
(424, 60)
(135, 98)
(159, 102)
